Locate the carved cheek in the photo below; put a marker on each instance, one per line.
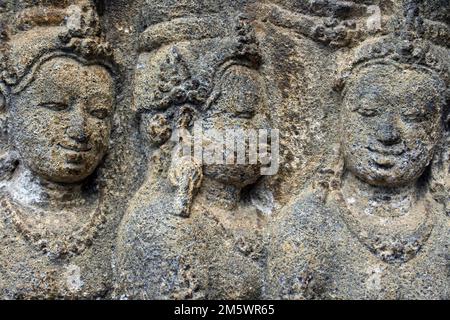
(426, 133)
(432, 130)
(99, 132)
(357, 128)
(348, 121)
(37, 128)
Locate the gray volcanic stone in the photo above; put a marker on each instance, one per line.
(102, 102)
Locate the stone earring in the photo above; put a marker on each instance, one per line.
(8, 157)
(3, 119)
(185, 173)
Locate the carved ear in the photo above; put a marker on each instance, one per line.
(2, 102)
(155, 128)
(3, 111)
(100, 6)
(8, 158)
(446, 111)
(185, 117)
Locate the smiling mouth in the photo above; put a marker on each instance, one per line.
(75, 148)
(383, 164)
(396, 151)
(384, 158)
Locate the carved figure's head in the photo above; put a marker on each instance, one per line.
(393, 107)
(59, 95)
(221, 88)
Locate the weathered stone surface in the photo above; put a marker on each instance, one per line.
(102, 103)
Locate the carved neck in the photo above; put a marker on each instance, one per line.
(219, 194)
(376, 200)
(30, 190)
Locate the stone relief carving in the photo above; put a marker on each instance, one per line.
(104, 104)
(183, 205)
(380, 219)
(57, 103)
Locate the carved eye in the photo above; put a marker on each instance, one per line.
(414, 114)
(367, 112)
(246, 114)
(55, 106)
(100, 113)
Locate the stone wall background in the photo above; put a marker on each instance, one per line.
(299, 68)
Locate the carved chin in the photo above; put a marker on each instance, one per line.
(77, 166)
(66, 172)
(380, 178)
(387, 173)
(69, 175)
(239, 175)
(385, 169)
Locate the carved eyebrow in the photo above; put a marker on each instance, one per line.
(54, 105)
(99, 107)
(364, 95)
(386, 98)
(100, 96)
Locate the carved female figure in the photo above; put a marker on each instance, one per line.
(378, 232)
(58, 98)
(190, 231)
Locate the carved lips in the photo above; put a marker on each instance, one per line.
(391, 151)
(385, 157)
(75, 153)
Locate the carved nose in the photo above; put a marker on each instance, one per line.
(77, 134)
(77, 130)
(388, 134)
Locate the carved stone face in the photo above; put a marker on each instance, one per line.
(391, 123)
(61, 122)
(239, 106)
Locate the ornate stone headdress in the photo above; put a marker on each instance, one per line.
(235, 44)
(177, 85)
(39, 33)
(182, 88)
(409, 47)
